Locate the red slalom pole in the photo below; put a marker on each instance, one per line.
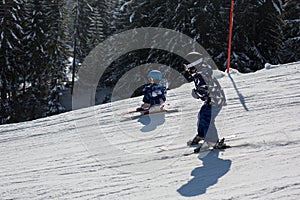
(230, 35)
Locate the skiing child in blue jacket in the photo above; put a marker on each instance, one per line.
(154, 93)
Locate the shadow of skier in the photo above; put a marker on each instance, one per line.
(241, 97)
(213, 168)
(152, 121)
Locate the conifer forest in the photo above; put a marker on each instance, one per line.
(44, 42)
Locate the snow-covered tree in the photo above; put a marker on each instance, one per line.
(81, 37)
(118, 17)
(292, 30)
(257, 34)
(11, 59)
(99, 23)
(82, 12)
(57, 54)
(41, 57)
(32, 57)
(210, 20)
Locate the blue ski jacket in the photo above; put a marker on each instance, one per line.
(154, 94)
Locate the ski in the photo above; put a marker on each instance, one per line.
(138, 109)
(135, 111)
(147, 113)
(202, 140)
(201, 148)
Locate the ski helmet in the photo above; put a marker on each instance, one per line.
(195, 60)
(155, 76)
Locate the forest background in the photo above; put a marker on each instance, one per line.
(43, 42)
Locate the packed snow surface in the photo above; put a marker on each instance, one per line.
(95, 153)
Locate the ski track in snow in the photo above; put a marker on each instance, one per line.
(89, 154)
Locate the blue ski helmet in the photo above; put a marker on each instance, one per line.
(155, 76)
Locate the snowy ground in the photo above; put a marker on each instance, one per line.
(90, 154)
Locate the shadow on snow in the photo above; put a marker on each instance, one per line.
(205, 176)
(152, 121)
(240, 95)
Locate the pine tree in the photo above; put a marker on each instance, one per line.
(43, 60)
(292, 31)
(99, 23)
(11, 59)
(81, 34)
(134, 14)
(257, 34)
(57, 55)
(119, 15)
(210, 19)
(270, 35)
(38, 63)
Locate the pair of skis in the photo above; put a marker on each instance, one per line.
(204, 147)
(145, 112)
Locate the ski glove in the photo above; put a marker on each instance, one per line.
(202, 88)
(194, 94)
(197, 95)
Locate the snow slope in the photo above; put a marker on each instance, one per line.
(90, 154)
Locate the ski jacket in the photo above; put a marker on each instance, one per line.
(208, 90)
(201, 89)
(154, 94)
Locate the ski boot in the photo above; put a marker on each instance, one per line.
(221, 144)
(195, 141)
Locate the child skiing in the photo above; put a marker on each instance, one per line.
(210, 92)
(154, 93)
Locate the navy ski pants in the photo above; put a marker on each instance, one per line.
(206, 122)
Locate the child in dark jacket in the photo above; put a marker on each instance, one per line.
(210, 92)
(154, 93)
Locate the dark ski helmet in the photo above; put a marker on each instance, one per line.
(155, 76)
